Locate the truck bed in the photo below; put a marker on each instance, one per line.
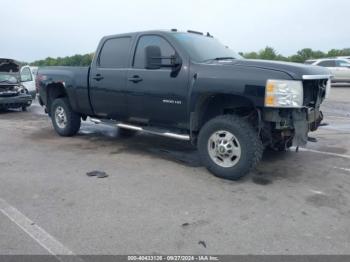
(76, 79)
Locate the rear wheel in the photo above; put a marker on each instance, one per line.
(229, 147)
(65, 121)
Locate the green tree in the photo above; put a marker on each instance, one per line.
(251, 55)
(75, 60)
(268, 53)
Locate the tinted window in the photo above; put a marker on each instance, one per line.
(115, 53)
(328, 63)
(140, 57)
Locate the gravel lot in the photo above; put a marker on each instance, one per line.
(159, 199)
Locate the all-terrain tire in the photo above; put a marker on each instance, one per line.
(72, 122)
(251, 147)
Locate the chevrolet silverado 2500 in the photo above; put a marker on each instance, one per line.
(189, 86)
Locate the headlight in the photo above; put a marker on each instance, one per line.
(284, 93)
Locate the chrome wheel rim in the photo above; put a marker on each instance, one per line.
(224, 148)
(60, 117)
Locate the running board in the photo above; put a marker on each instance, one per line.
(153, 131)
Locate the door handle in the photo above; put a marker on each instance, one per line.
(98, 77)
(135, 79)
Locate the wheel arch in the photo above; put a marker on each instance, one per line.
(55, 90)
(211, 105)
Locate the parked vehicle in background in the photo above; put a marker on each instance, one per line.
(13, 93)
(28, 79)
(189, 86)
(344, 57)
(339, 67)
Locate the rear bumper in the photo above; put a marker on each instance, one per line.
(15, 101)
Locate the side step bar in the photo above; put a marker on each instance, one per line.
(154, 131)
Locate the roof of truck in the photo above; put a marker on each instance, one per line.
(171, 31)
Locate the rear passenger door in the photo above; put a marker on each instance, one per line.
(108, 78)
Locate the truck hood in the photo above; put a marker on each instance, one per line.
(9, 65)
(295, 70)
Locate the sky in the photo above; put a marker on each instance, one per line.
(35, 29)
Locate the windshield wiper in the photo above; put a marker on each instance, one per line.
(220, 58)
(224, 58)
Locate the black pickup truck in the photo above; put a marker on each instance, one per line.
(189, 86)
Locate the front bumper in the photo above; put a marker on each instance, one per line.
(33, 94)
(297, 123)
(15, 101)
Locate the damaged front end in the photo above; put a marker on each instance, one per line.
(284, 127)
(12, 93)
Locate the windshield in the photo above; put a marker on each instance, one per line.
(8, 78)
(202, 48)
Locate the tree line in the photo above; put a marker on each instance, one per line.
(268, 53)
(75, 60)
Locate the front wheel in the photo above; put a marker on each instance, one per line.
(65, 121)
(229, 147)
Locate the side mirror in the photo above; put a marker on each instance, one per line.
(154, 58)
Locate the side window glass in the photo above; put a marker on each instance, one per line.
(327, 63)
(115, 53)
(151, 40)
(26, 75)
(343, 63)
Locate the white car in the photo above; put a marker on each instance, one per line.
(28, 78)
(344, 57)
(339, 67)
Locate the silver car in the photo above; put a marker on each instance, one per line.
(340, 68)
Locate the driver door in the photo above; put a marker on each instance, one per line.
(156, 96)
